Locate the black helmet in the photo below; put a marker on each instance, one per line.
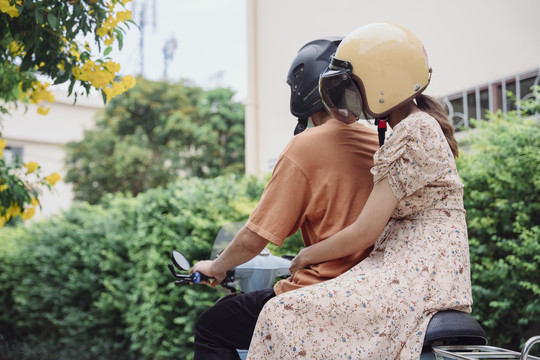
(303, 77)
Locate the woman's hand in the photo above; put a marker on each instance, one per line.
(299, 261)
(356, 237)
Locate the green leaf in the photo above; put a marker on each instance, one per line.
(52, 20)
(120, 38)
(77, 10)
(38, 15)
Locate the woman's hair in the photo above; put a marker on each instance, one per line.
(434, 108)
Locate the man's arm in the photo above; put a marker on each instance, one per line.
(244, 247)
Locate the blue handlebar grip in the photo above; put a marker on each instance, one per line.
(196, 277)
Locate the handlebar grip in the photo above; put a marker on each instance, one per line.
(197, 277)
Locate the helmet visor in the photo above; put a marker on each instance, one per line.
(338, 90)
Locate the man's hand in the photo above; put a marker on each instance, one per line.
(244, 247)
(205, 267)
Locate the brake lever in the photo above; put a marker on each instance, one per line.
(193, 278)
(182, 282)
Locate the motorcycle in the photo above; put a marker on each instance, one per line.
(258, 273)
(451, 334)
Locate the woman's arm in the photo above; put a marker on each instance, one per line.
(356, 237)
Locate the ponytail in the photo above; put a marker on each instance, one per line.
(434, 108)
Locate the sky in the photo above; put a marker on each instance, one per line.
(210, 38)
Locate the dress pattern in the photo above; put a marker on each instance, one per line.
(380, 308)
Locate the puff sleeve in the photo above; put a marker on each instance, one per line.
(414, 156)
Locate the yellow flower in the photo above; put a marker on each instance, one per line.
(117, 88)
(76, 53)
(13, 211)
(123, 15)
(102, 31)
(96, 74)
(28, 213)
(53, 179)
(2, 146)
(129, 81)
(43, 110)
(16, 48)
(11, 10)
(3, 187)
(39, 93)
(31, 166)
(31, 211)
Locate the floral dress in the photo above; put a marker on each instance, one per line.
(380, 308)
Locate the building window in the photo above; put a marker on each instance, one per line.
(13, 155)
(474, 103)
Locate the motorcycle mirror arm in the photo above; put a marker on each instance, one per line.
(177, 275)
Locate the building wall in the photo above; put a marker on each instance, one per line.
(469, 43)
(42, 139)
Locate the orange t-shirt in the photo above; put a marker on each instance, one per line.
(320, 185)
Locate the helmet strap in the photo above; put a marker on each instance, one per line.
(381, 128)
(301, 126)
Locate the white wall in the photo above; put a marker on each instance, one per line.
(43, 137)
(469, 43)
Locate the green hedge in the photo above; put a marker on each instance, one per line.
(501, 172)
(94, 284)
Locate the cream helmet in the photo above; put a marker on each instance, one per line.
(376, 68)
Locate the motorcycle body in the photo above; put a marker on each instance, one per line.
(451, 335)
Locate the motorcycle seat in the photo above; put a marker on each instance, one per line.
(451, 327)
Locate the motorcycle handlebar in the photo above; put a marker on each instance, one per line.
(193, 278)
(197, 277)
(181, 263)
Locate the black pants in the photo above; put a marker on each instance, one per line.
(228, 325)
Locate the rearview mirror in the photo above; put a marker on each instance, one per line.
(180, 261)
